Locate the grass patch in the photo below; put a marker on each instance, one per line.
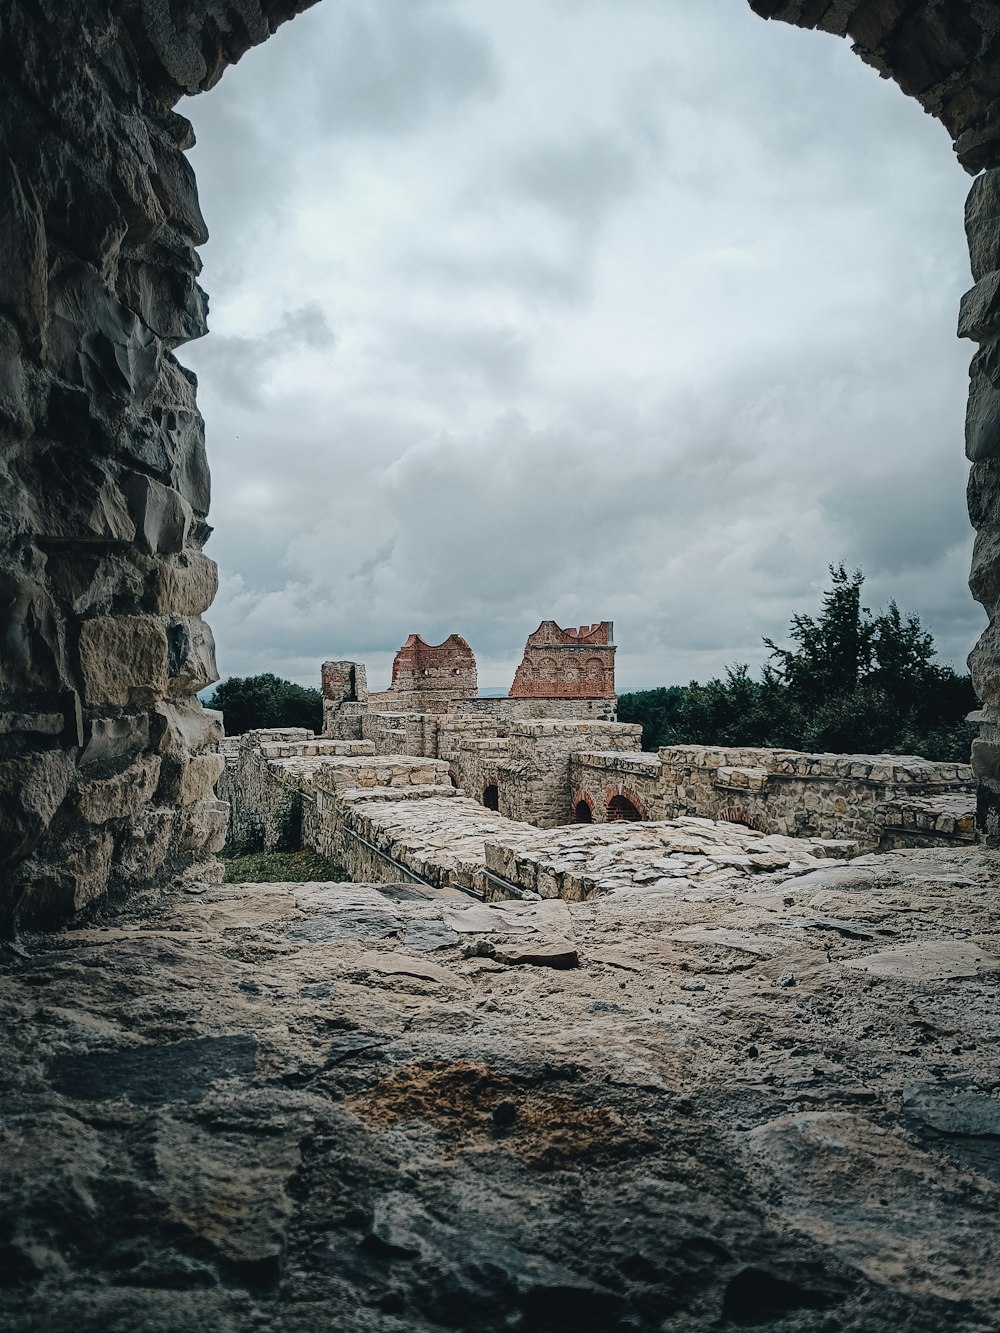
(282, 868)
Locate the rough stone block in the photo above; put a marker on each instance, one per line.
(124, 794)
(201, 827)
(123, 660)
(187, 780)
(32, 788)
(979, 312)
(145, 844)
(185, 586)
(185, 725)
(23, 275)
(53, 890)
(982, 224)
(111, 738)
(191, 656)
(982, 419)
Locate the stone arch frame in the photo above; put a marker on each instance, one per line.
(107, 760)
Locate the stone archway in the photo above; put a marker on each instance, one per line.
(107, 759)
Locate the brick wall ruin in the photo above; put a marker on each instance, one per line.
(429, 677)
(107, 759)
(567, 663)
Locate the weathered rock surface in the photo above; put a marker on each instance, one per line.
(262, 1107)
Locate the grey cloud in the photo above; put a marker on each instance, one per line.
(580, 182)
(237, 367)
(390, 68)
(498, 357)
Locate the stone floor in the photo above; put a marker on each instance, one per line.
(772, 1103)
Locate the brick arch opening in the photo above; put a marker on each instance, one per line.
(583, 809)
(622, 809)
(107, 759)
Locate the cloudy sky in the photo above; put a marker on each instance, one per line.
(629, 309)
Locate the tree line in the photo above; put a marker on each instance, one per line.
(852, 682)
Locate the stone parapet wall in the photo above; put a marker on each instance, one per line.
(272, 775)
(803, 795)
(505, 711)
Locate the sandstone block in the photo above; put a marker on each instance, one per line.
(31, 657)
(186, 780)
(191, 656)
(123, 660)
(125, 793)
(53, 890)
(201, 827)
(185, 586)
(145, 844)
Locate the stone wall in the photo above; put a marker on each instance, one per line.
(344, 687)
(567, 663)
(504, 710)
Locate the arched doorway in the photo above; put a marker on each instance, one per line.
(582, 813)
(620, 808)
(491, 796)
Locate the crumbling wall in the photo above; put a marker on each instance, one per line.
(344, 686)
(429, 677)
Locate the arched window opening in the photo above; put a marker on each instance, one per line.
(491, 797)
(621, 808)
(582, 813)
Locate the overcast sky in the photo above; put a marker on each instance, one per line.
(629, 309)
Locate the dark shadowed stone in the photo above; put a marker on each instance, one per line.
(110, 738)
(181, 1071)
(982, 420)
(22, 251)
(31, 658)
(353, 923)
(961, 1122)
(982, 224)
(98, 342)
(32, 788)
(162, 518)
(190, 655)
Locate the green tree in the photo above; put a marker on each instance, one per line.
(248, 702)
(850, 681)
